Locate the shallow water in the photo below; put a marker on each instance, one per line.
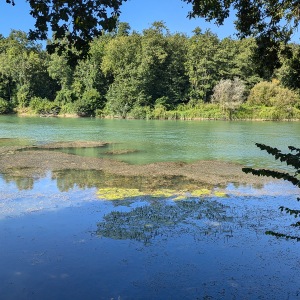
(160, 140)
(71, 245)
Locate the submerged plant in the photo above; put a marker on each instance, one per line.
(124, 193)
(201, 192)
(158, 218)
(291, 159)
(117, 193)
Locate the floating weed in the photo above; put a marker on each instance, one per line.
(160, 218)
(180, 197)
(163, 193)
(123, 193)
(220, 194)
(201, 192)
(117, 193)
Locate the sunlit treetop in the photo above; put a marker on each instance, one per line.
(271, 22)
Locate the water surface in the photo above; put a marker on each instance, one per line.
(60, 240)
(73, 245)
(160, 140)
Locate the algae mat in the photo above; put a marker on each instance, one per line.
(35, 161)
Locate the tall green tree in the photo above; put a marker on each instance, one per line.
(289, 72)
(121, 63)
(176, 79)
(23, 65)
(162, 66)
(154, 60)
(271, 22)
(201, 64)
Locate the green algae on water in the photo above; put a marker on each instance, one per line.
(123, 193)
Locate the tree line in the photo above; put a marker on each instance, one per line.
(153, 74)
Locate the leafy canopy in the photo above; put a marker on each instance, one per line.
(78, 21)
(272, 18)
(271, 22)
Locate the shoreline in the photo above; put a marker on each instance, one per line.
(75, 116)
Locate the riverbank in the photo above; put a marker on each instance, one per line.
(199, 112)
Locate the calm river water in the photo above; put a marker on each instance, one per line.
(161, 140)
(60, 241)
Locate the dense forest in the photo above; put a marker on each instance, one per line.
(154, 74)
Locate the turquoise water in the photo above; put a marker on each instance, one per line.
(59, 240)
(160, 140)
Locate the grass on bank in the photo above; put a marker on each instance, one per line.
(199, 111)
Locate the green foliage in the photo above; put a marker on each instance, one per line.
(272, 94)
(188, 112)
(291, 159)
(89, 102)
(270, 22)
(289, 72)
(122, 96)
(201, 64)
(23, 65)
(149, 75)
(68, 108)
(60, 70)
(140, 112)
(80, 22)
(23, 96)
(246, 112)
(159, 112)
(262, 93)
(43, 106)
(4, 106)
(64, 96)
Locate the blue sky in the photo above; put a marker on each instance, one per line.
(140, 14)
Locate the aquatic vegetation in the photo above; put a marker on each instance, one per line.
(117, 193)
(220, 194)
(121, 151)
(163, 193)
(123, 193)
(146, 222)
(13, 142)
(201, 192)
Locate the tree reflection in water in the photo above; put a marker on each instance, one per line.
(159, 218)
(22, 182)
(68, 179)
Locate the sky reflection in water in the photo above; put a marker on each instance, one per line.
(71, 245)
